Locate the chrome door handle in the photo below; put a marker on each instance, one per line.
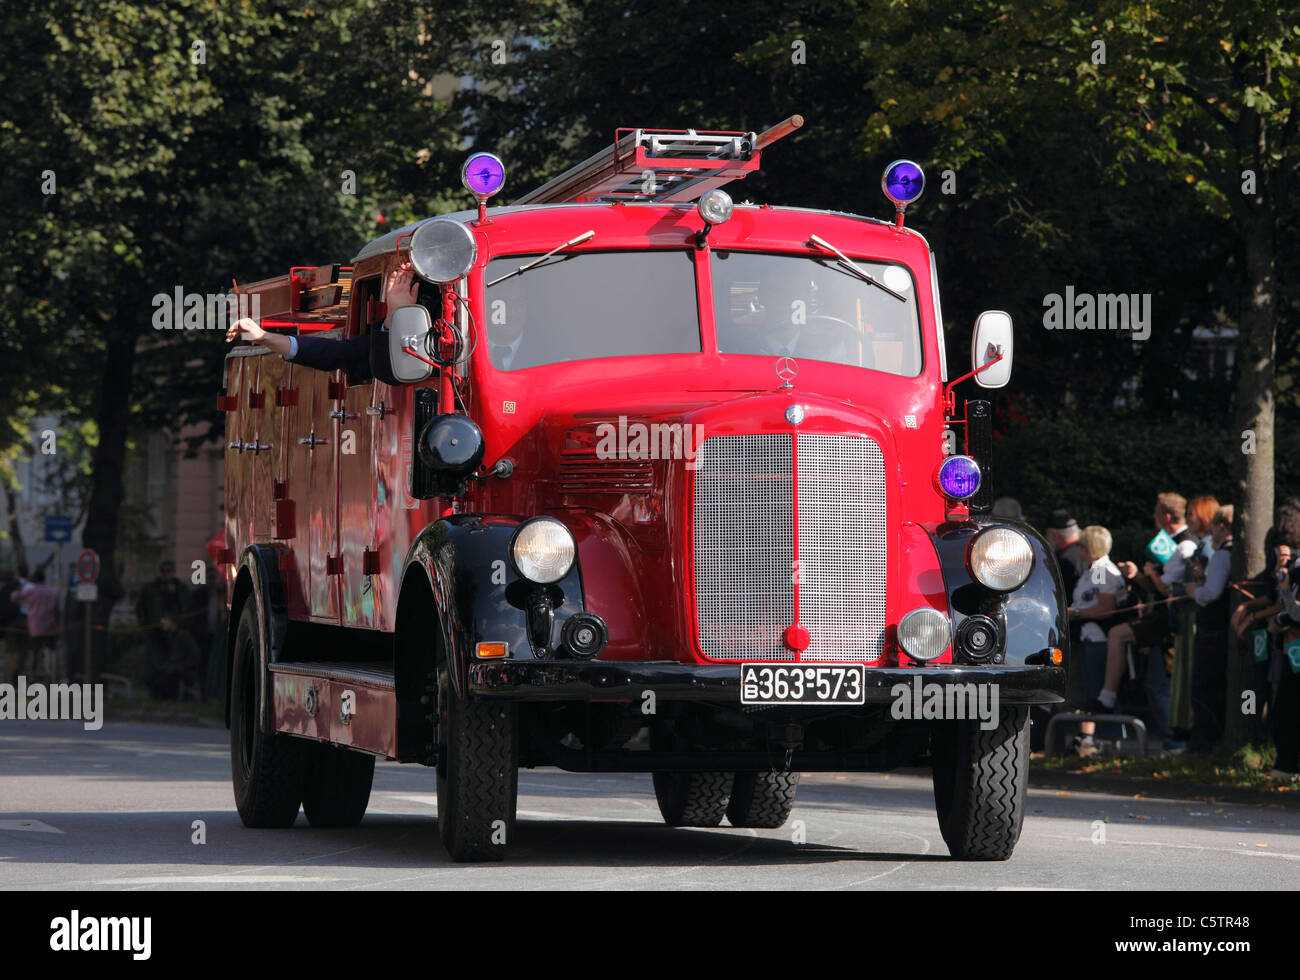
(340, 414)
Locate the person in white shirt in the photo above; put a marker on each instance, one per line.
(1095, 595)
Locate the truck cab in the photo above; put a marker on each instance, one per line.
(646, 480)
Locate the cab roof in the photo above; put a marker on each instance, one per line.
(389, 241)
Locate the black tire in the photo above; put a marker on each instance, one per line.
(693, 799)
(268, 770)
(762, 799)
(981, 779)
(338, 787)
(478, 774)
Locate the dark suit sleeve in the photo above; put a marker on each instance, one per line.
(351, 356)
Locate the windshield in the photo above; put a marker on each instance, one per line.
(591, 304)
(814, 308)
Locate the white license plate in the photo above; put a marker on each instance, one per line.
(803, 684)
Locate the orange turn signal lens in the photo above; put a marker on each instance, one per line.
(491, 650)
(1057, 656)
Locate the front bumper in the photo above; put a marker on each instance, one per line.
(627, 680)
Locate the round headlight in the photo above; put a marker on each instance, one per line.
(1000, 558)
(442, 250)
(924, 633)
(542, 550)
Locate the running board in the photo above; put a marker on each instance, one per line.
(349, 704)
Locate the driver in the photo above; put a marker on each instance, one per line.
(351, 355)
(789, 322)
(507, 316)
(784, 315)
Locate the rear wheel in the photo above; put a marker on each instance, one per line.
(478, 774)
(692, 799)
(981, 779)
(268, 770)
(338, 788)
(762, 799)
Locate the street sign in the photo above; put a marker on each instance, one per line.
(87, 592)
(88, 566)
(58, 528)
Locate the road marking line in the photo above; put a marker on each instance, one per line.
(1184, 847)
(215, 879)
(30, 825)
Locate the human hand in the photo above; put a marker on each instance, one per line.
(1128, 569)
(1149, 569)
(402, 287)
(246, 329)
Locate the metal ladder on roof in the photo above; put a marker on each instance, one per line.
(661, 166)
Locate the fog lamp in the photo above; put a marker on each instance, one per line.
(924, 633)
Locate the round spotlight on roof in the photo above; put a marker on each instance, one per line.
(903, 182)
(483, 175)
(442, 250)
(715, 206)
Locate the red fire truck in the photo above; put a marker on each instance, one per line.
(646, 481)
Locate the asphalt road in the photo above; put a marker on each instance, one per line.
(115, 809)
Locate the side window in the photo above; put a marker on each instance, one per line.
(363, 311)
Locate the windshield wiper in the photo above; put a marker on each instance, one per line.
(849, 264)
(586, 236)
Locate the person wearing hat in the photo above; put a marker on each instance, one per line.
(1063, 536)
(1008, 509)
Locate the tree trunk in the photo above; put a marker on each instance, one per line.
(1253, 428)
(107, 488)
(15, 526)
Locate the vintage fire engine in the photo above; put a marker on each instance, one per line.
(644, 482)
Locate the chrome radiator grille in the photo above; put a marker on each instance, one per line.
(744, 546)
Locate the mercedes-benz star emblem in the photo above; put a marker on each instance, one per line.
(787, 369)
(794, 414)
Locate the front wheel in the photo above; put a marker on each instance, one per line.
(981, 779)
(478, 774)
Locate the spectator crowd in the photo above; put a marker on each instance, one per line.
(1152, 633)
(180, 630)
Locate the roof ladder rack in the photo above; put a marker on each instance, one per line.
(661, 166)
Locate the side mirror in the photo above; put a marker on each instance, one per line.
(992, 336)
(408, 326)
